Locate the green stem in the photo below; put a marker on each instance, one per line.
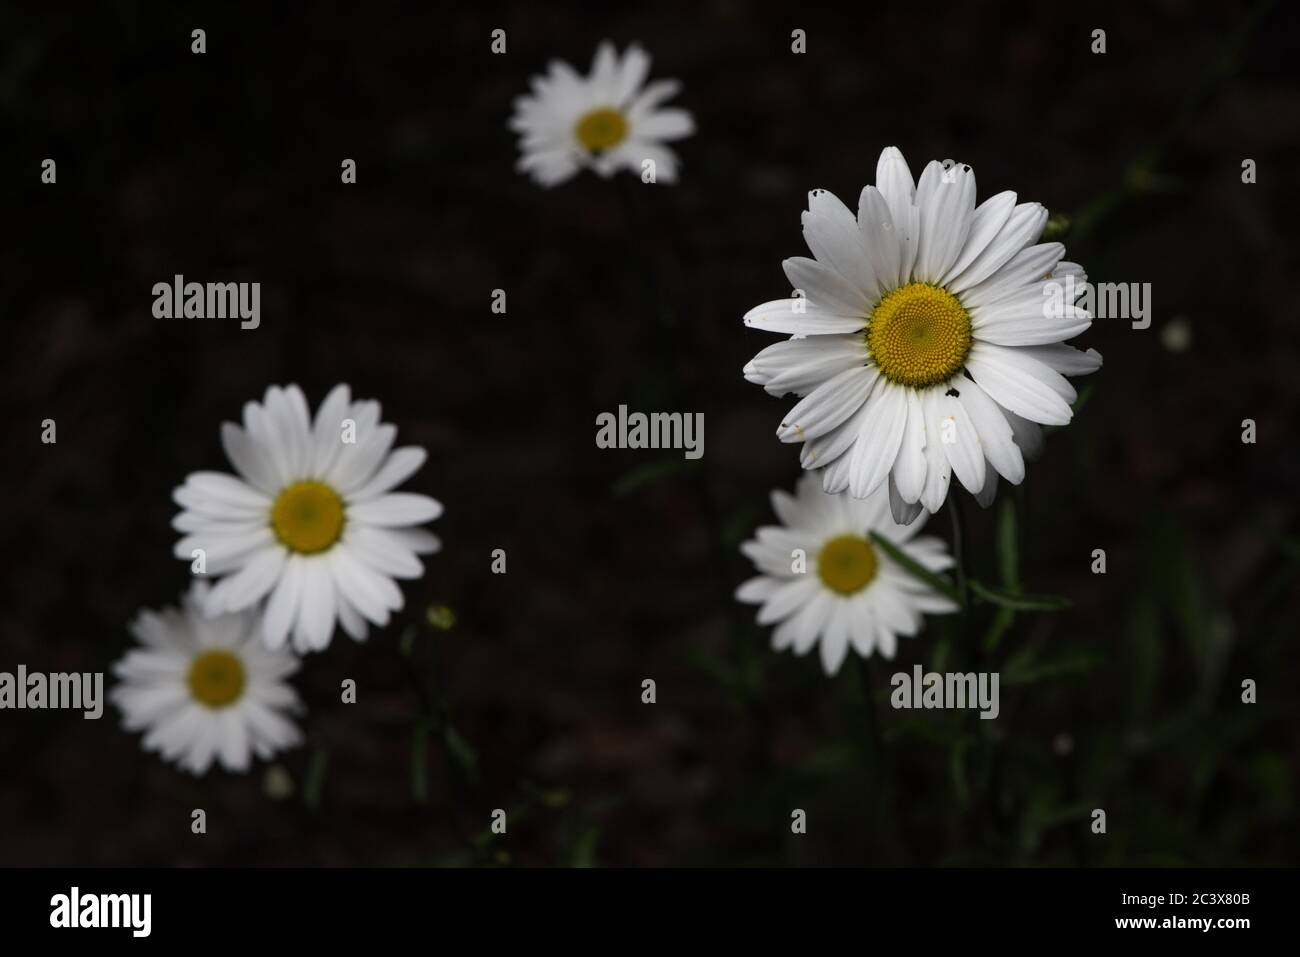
(873, 743)
(958, 547)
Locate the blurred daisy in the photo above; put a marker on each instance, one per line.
(927, 337)
(206, 689)
(607, 121)
(823, 582)
(311, 520)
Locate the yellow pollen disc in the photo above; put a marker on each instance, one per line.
(307, 517)
(846, 564)
(601, 129)
(217, 678)
(919, 335)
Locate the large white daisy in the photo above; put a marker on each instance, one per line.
(927, 338)
(206, 689)
(311, 520)
(822, 581)
(607, 121)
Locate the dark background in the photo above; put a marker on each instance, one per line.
(621, 564)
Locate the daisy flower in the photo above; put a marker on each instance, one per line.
(607, 121)
(206, 689)
(927, 337)
(311, 520)
(823, 582)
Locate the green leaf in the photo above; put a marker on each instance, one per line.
(320, 760)
(1016, 672)
(584, 849)
(1008, 546)
(1020, 602)
(420, 763)
(648, 474)
(461, 751)
(915, 569)
(998, 627)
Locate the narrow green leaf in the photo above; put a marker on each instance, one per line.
(998, 628)
(1008, 546)
(461, 750)
(1029, 673)
(1020, 602)
(420, 763)
(915, 569)
(584, 849)
(649, 473)
(315, 783)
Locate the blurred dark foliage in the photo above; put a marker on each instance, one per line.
(622, 564)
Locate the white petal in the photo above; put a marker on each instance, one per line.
(668, 125)
(902, 512)
(247, 586)
(1019, 383)
(877, 445)
(401, 464)
(1066, 360)
(938, 470)
(1032, 266)
(946, 199)
(995, 435)
(1022, 229)
(831, 231)
(827, 406)
(800, 365)
(986, 222)
(787, 599)
(909, 467)
(824, 288)
(248, 458)
(282, 607)
(960, 441)
(795, 317)
(396, 508)
(882, 240)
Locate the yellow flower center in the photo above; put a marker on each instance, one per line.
(307, 517)
(919, 335)
(601, 129)
(217, 678)
(847, 564)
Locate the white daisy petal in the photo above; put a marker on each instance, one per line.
(606, 121)
(1023, 227)
(1020, 383)
(796, 318)
(321, 535)
(827, 406)
(832, 234)
(938, 469)
(878, 441)
(960, 441)
(851, 595)
(823, 288)
(282, 607)
(203, 704)
(1029, 267)
(800, 365)
(401, 465)
(909, 467)
(880, 237)
(903, 302)
(946, 199)
(986, 222)
(996, 438)
(395, 509)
